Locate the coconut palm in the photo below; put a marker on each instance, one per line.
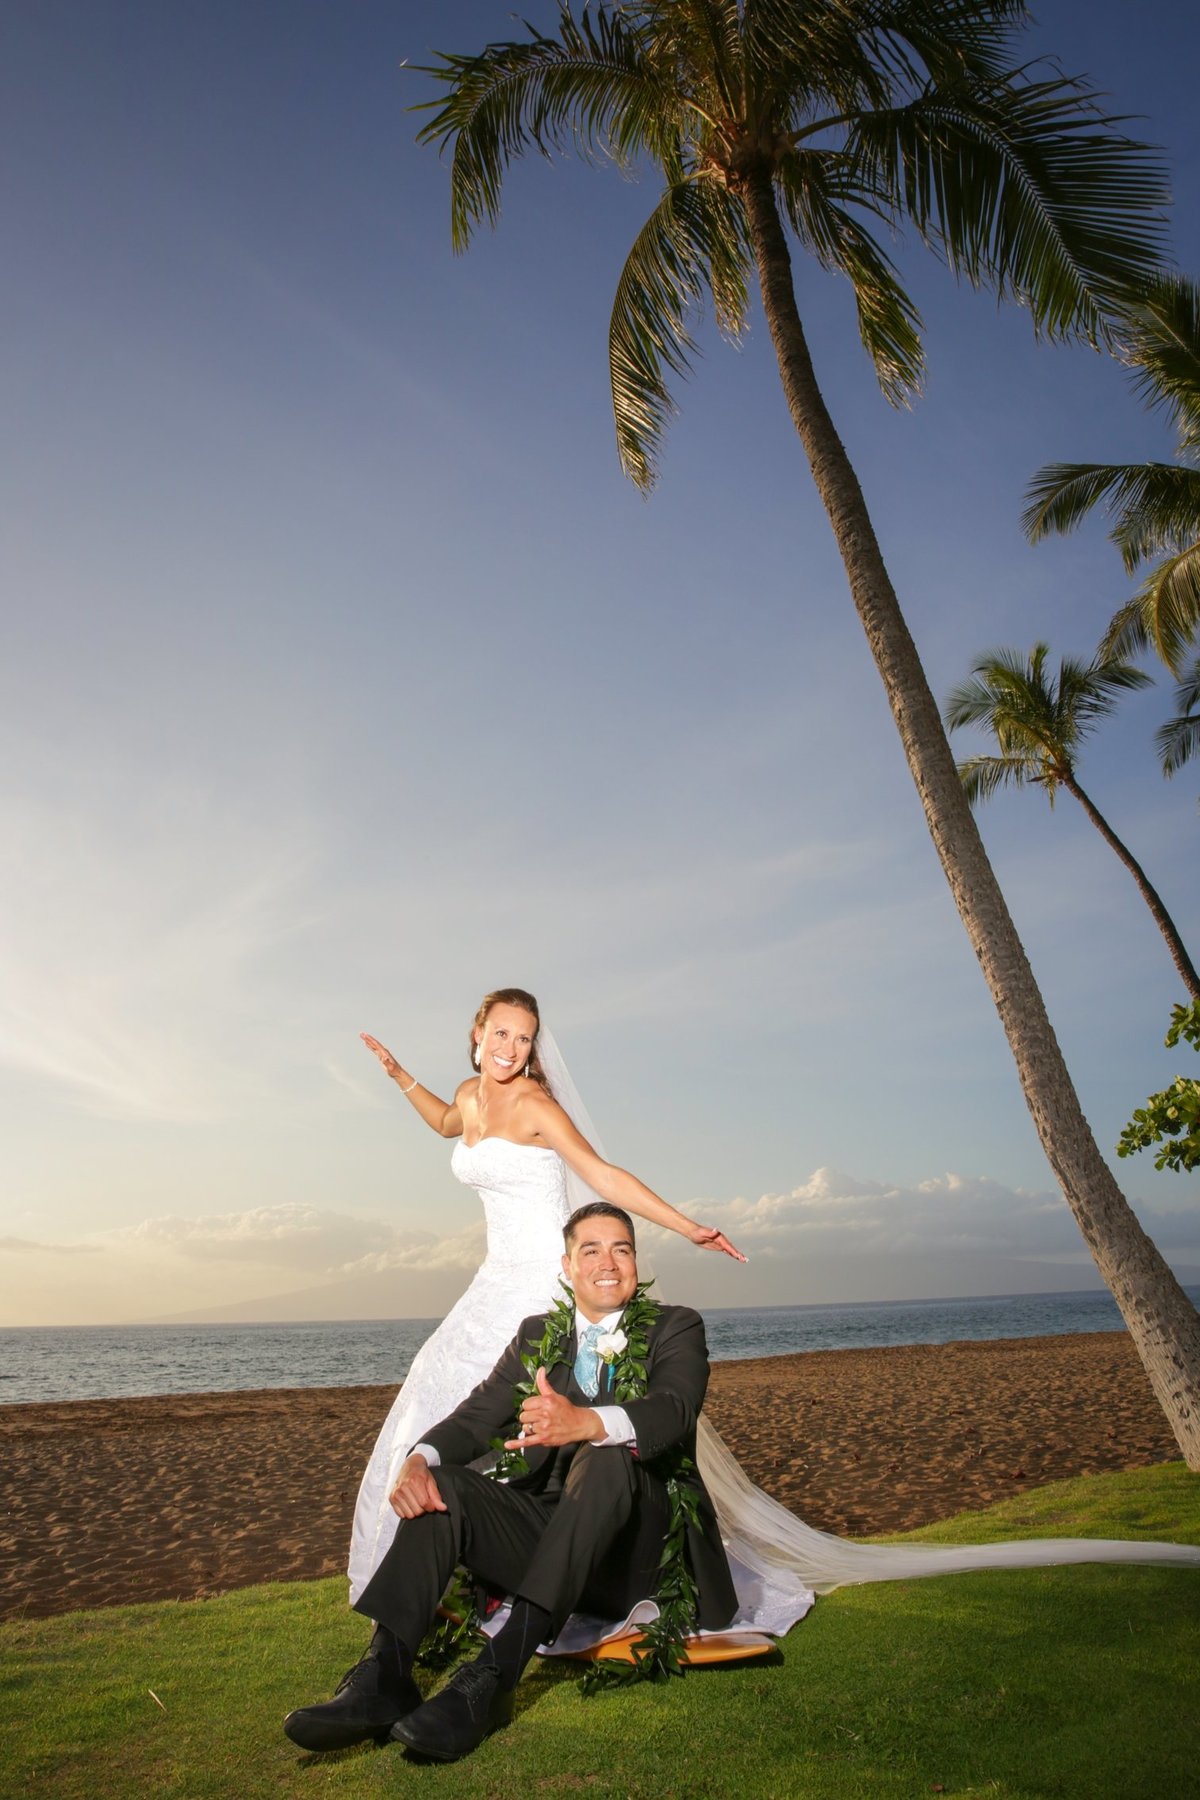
(1179, 739)
(1039, 720)
(1156, 506)
(836, 121)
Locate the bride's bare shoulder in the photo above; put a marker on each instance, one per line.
(539, 1107)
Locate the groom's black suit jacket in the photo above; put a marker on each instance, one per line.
(665, 1419)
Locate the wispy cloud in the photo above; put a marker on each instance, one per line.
(133, 941)
(461, 1254)
(837, 1214)
(831, 1214)
(29, 1246)
(287, 1237)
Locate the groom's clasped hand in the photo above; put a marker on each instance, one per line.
(416, 1489)
(547, 1420)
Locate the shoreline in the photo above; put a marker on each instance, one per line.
(104, 1502)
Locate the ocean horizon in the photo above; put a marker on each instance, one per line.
(50, 1363)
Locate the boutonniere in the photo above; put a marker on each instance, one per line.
(610, 1346)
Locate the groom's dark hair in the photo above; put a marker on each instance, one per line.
(596, 1209)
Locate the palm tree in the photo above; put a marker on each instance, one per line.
(1039, 721)
(833, 118)
(1156, 506)
(1179, 739)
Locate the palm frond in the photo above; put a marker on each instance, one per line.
(803, 61)
(1061, 495)
(889, 324)
(693, 243)
(867, 55)
(1088, 692)
(983, 776)
(703, 35)
(1178, 740)
(592, 89)
(1027, 188)
(973, 702)
(1159, 512)
(1164, 614)
(1127, 633)
(1169, 602)
(1155, 504)
(1162, 348)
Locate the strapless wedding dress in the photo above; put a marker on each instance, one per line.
(524, 1195)
(777, 1561)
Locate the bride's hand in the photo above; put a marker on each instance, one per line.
(391, 1066)
(707, 1237)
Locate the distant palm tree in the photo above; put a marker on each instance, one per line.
(840, 120)
(1179, 739)
(1039, 721)
(1156, 506)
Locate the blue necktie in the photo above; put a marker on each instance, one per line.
(587, 1363)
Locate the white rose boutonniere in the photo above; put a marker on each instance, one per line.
(610, 1346)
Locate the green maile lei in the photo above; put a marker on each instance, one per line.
(657, 1655)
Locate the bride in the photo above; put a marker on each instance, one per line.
(526, 1145)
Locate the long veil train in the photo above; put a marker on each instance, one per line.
(778, 1562)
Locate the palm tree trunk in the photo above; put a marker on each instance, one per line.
(1162, 917)
(1163, 1323)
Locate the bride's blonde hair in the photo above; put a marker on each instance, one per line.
(511, 997)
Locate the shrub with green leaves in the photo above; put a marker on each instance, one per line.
(1171, 1118)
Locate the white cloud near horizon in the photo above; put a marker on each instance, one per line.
(298, 1238)
(833, 1220)
(836, 1214)
(30, 1246)
(832, 1213)
(460, 1254)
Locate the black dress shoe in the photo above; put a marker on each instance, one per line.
(457, 1720)
(365, 1705)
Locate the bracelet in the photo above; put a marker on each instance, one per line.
(408, 1090)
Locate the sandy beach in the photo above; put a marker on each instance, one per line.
(108, 1501)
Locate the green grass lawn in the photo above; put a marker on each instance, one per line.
(1071, 1682)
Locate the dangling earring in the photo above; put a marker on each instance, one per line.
(475, 1056)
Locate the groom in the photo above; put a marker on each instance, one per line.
(584, 1527)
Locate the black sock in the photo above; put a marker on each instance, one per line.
(526, 1627)
(394, 1659)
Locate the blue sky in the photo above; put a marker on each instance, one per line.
(346, 677)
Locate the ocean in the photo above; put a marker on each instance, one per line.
(103, 1362)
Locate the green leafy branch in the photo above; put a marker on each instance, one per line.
(1171, 1118)
(457, 1629)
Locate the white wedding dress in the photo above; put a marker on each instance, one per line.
(525, 1206)
(778, 1562)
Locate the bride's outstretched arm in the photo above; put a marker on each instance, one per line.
(441, 1116)
(618, 1185)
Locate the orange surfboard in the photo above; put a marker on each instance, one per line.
(720, 1647)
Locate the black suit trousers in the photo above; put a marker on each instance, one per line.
(594, 1546)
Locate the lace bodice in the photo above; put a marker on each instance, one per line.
(524, 1194)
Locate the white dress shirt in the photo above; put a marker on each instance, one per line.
(618, 1427)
